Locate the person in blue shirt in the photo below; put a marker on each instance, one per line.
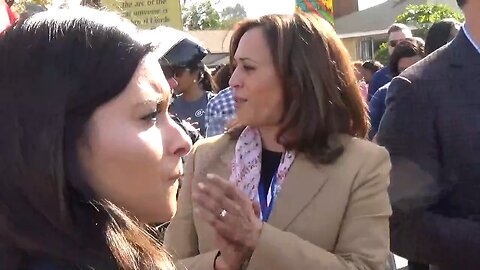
(396, 33)
(406, 53)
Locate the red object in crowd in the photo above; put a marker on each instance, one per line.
(7, 17)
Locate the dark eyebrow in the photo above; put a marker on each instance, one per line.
(243, 59)
(151, 102)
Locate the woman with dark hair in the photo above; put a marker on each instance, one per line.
(369, 68)
(222, 77)
(86, 142)
(440, 33)
(291, 189)
(194, 85)
(406, 53)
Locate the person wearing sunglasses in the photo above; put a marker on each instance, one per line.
(396, 33)
(406, 53)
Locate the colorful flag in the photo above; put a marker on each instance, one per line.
(324, 8)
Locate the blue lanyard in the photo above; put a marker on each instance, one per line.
(263, 197)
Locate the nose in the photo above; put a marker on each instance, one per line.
(177, 141)
(235, 79)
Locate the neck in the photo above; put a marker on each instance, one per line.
(193, 94)
(269, 139)
(472, 22)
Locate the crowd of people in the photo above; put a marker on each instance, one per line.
(120, 150)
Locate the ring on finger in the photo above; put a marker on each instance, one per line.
(223, 213)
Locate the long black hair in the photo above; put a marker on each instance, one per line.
(440, 33)
(56, 68)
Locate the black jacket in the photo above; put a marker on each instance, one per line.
(431, 128)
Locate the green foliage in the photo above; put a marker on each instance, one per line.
(28, 6)
(423, 16)
(382, 54)
(203, 16)
(232, 15)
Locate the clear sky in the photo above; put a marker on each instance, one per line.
(257, 8)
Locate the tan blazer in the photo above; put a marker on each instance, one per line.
(326, 216)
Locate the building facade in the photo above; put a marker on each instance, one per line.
(364, 31)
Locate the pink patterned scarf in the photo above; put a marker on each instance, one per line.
(246, 165)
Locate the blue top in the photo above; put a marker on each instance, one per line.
(376, 108)
(379, 79)
(220, 109)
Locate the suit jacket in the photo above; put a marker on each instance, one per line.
(326, 216)
(431, 128)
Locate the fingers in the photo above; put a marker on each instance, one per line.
(211, 199)
(227, 210)
(227, 187)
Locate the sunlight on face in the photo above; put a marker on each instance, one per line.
(134, 150)
(258, 90)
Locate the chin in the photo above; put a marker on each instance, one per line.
(163, 213)
(169, 206)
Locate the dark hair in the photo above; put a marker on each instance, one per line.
(222, 76)
(409, 47)
(439, 34)
(320, 90)
(397, 27)
(206, 80)
(56, 68)
(461, 3)
(372, 66)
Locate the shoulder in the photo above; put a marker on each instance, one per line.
(212, 143)
(382, 72)
(361, 157)
(221, 97)
(225, 93)
(369, 162)
(381, 75)
(432, 68)
(358, 150)
(208, 149)
(210, 95)
(382, 90)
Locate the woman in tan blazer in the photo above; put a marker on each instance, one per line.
(298, 187)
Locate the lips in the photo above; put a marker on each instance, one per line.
(239, 99)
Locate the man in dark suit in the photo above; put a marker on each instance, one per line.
(432, 130)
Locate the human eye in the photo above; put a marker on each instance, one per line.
(248, 67)
(152, 116)
(161, 107)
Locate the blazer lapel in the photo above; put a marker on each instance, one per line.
(228, 153)
(464, 61)
(303, 182)
(462, 52)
